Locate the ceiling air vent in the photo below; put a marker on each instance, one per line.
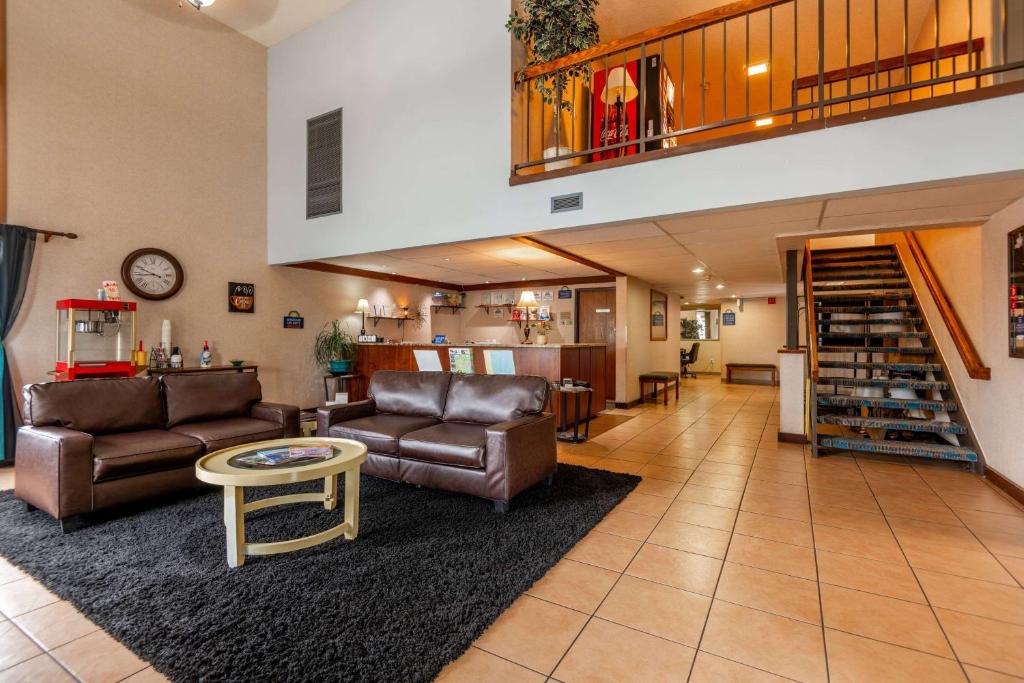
(567, 202)
(323, 165)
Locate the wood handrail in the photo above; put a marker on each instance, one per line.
(892, 63)
(711, 16)
(812, 322)
(964, 346)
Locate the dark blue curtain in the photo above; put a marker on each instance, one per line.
(17, 244)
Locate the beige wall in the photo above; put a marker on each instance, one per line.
(759, 332)
(972, 266)
(138, 124)
(635, 353)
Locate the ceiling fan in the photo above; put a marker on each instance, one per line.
(198, 4)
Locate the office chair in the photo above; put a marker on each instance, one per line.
(688, 358)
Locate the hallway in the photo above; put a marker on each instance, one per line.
(739, 558)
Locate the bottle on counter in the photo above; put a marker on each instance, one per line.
(205, 357)
(176, 357)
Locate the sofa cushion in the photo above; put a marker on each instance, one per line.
(132, 453)
(489, 399)
(449, 443)
(95, 406)
(232, 431)
(410, 393)
(198, 397)
(380, 432)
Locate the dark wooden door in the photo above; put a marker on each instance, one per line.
(595, 324)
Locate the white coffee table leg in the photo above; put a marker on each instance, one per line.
(352, 501)
(331, 492)
(234, 522)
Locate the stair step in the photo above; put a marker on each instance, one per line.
(866, 309)
(865, 253)
(905, 322)
(905, 448)
(891, 403)
(849, 287)
(877, 262)
(896, 424)
(901, 350)
(865, 296)
(826, 274)
(883, 382)
(868, 365)
(870, 335)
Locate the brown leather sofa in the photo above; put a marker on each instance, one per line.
(93, 444)
(485, 435)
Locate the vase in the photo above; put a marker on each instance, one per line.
(542, 339)
(340, 367)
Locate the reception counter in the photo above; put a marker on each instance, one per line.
(552, 361)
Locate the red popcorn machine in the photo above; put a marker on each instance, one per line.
(94, 339)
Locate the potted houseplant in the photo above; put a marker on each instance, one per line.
(335, 348)
(542, 327)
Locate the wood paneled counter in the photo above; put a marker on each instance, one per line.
(552, 361)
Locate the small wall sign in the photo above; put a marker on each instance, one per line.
(564, 293)
(771, 299)
(294, 321)
(729, 317)
(241, 297)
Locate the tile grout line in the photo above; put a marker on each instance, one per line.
(817, 571)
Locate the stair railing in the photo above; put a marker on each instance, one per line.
(961, 339)
(812, 351)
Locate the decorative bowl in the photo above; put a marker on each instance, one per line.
(236, 363)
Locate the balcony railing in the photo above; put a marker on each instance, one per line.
(757, 68)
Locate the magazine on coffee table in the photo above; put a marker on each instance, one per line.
(285, 456)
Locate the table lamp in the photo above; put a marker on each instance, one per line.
(526, 300)
(363, 307)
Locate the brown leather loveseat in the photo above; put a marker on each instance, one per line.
(485, 435)
(92, 444)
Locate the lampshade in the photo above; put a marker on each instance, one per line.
(620, 85)
(527, 299)
(363, 306)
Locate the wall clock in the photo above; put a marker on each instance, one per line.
(152, 274)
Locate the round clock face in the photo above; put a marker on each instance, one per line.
(152, 274)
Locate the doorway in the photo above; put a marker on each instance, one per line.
(595, 324)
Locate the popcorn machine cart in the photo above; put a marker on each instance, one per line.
(94, 339)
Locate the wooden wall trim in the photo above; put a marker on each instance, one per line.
(961, 339)
(568, 255)
(554, 282)
(322, 267)
(1004, 484)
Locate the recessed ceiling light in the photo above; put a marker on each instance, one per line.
(447, 258)
(698, 269)
(523, 279)
(686, 303)
(487, 282)
(756, 69)
(761, 123)
(719, 286)
(393, 273)
(734, 296)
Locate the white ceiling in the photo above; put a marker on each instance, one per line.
(737, 248)
(470, 263)
(271, 21)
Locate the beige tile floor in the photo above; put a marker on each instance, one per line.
(737, 558)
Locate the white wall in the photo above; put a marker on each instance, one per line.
(709, 356)
(759, 332)
(426, 91)
(972, 267)
(635, 353)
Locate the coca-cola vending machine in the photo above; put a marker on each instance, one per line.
(620, 99)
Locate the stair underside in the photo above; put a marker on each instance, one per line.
(904, 448)
(836, 401)
(895, 424)
(900, 350)
(828, 274)
(879, 365)
(883, 383)
(860, 254)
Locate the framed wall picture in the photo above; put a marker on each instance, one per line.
(659, 316)
(241, 297)
(1015, 263)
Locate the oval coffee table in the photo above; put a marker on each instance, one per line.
(217, 468)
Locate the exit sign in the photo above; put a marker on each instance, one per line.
(771, 299)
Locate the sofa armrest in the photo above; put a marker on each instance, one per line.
(53, 470)
(278, 413)
(331, 415)
(519, 454)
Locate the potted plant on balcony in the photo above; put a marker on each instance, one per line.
(335, 348)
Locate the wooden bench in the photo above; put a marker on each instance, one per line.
(767, 367)
(657, 378)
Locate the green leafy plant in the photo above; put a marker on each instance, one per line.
(542, 326)
(689, 329)
(334, 342)
(552, 29)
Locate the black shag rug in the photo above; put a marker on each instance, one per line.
(428, 573)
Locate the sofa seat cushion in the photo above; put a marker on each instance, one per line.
(449, 443)
(231, 431)
(132, 453)
(380, 432)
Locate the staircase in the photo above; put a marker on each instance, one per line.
(881, 384)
